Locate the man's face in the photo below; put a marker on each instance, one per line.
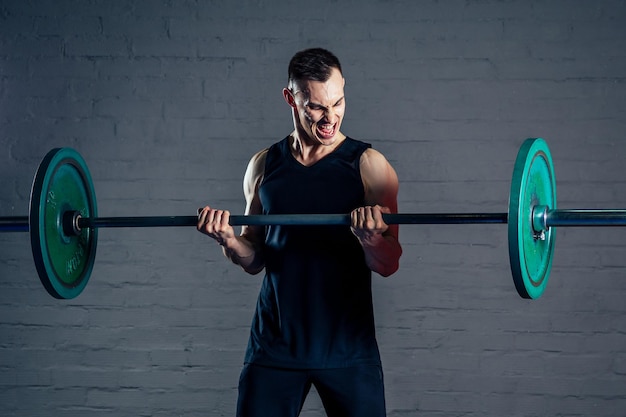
(320, 108)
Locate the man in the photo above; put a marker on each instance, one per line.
(314, 321)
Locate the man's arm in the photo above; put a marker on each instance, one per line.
(379, 241)
(245, 250)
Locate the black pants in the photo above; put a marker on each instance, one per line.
(345, 392)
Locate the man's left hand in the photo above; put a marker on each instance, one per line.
(367, 223)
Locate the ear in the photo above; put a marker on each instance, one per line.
(289, 98)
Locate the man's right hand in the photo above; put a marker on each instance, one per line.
(214, 223)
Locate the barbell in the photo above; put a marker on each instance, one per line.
(63, 221)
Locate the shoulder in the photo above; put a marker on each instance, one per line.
(255, 170)
(258, 159)
(258, 162)
(372, 161)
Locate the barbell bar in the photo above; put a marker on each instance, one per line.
(63, 220)
(543, 218)
(20, 224)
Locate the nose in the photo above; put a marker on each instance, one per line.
(330, 115)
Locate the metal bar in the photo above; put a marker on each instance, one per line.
(553, 218)
(576, 218)
(14, 224)
(295, 220)
(163, 221)
(446, 218)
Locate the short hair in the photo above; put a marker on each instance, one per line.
(314, 64)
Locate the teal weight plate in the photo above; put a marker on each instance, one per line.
(63, 260)
(533, 184)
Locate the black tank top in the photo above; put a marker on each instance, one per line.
(315, 304)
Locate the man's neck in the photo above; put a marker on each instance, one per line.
(308, 152)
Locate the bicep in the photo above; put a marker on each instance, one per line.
(381, 183)
(252, 181)
(379, 180)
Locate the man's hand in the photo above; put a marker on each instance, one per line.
(367, 223)
(214, 223)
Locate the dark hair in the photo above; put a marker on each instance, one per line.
(313, 64)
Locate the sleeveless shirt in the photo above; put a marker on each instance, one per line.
(314, 308)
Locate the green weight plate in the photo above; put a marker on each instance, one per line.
(64, 261)
(533, 184)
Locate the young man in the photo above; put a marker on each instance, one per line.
(314, 322)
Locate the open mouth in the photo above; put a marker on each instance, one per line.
(326, 131)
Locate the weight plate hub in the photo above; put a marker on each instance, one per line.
(63, 260)
(531, 252)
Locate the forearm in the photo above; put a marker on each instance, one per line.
(244, 253)
(382, 254)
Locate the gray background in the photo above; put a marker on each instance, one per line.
(167, 100)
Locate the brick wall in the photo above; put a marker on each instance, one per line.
(167, 100)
